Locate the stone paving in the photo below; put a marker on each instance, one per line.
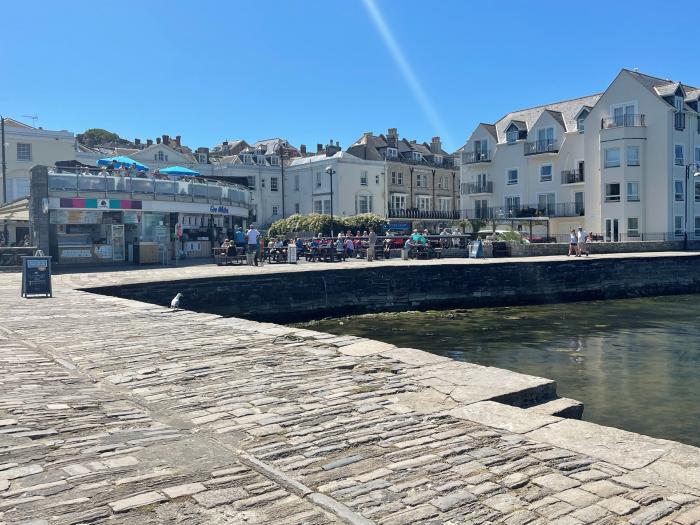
(113, 411)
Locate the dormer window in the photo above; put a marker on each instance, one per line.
(415, 156)
(260, 159)
(512, 136)
(201, 158)
(580, 120)
(274, 160)
(161, 157)
(392, 153)
(678, 103)
(247, 158)
(437, 159)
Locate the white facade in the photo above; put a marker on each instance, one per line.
(613, 163)
(359, 186)
(26, 146)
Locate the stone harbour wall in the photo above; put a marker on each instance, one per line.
(543, 249)
(291, 296)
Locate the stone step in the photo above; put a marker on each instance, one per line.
(561, 407)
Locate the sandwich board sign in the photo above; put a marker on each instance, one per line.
(476, 250)
(36, 276)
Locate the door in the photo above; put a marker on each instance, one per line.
(612, 230)
(545, 204)
(579, 208)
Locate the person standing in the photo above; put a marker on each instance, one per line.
(253, 239)
(581, 236)
(239, 238)
(573, 243)
(372, 239)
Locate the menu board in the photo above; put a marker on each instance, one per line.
(75, 217)
(36, 276)
(117, 242)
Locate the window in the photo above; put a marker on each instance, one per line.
(296, 182)
(512, 205)
(623, 115)
(326, 206)
(260, 159)
(398, 201)
(397, 178)
(512, 177)
(363, 178)
(296, 208)
(679, 156)
(632, 192)
(632, 227)
(247, 158)
(275, 209)
(678, 225)
(697, 155)
(442, 183)
(162, 157)
(546, 173)
(512, 135)
(545, 139)
(612, 157)
(24, 152)
(697, 226)
(423, 202)
(274, 160)
(697, 191)
(251, 183)
(678, 190)
(579, 204)
(318, 179)
(274, 181)
(481, 149)
(443, 203)
(581, 120)
(363, 204)
(437, 159)
(318, 207)
(392, 153)
(201, 158)
(612, 192)
(422, 180)
(545, 204)
(633, 155)
(678, 103)
(415, 156)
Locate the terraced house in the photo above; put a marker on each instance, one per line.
(422, 179)
(620, 163)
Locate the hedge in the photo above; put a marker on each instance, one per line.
(317, 223)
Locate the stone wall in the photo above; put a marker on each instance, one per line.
(288, 296)
(537, 249)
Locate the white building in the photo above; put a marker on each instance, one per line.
(614, 163)
(359, 186)
(27, 146)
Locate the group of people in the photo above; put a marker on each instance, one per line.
(115, 169)
(250, 241)
(577, 242)
(26, 241)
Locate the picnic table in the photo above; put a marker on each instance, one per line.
(230, 255)
(276, 255)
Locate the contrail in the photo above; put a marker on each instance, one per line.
(405, 68)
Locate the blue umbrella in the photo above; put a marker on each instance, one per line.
(179, 171)
(122, 161)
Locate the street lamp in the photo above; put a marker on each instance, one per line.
(4, 166)
(331, 172)
(696, 167)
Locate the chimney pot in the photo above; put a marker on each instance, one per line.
(178, 138)
(157, 140)
(302, 150)
(166, 139)
(319, 148)
(137, 142)
(149, 142)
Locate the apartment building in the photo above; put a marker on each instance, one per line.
(614, 163)
(358, 185)
(422, 179)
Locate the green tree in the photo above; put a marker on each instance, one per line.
(97, 137)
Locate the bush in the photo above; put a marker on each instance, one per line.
(317, 223)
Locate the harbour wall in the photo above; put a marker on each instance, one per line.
(293, 296)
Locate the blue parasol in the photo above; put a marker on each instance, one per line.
(122, 161)
(179, 171)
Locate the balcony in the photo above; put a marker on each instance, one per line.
(193, 190)
(630, 120)
(422, 214)
(571, 177)
(679, 121)
(526, 211)
(474, 188)
(539, 147)
(475, 157)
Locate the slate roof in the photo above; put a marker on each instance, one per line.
(663, 87)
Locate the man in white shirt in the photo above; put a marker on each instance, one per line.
(581, 238)
(253, 240)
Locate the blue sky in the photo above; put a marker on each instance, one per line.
(313, 71)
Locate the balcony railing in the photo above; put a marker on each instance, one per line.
(571, 176)
(480, 187)
(631, 120)
(560, 209)
(472, 157)
(192, 190)
(422, 214)
(541, 146)
(679, 121)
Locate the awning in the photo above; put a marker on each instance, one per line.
(15, 211)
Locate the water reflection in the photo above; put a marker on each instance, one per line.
(634, 363)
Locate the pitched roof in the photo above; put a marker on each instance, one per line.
(661, 87)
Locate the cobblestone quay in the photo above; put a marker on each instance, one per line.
(117, 411)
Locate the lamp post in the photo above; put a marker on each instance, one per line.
(696, 174)
(331, 172)
(4, 166)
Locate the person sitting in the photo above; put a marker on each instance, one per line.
(278, 244)
(300, 245)
(349, 248)
(340, 247)
(387, 248)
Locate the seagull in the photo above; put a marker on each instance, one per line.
(175, 303)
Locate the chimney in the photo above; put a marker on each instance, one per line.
(157, 140)
(319, 148)
(149, 142)
(178, 138)
(367, 135)
(332, 149)
(225, 144)
(302, 150)
(166, 139)
(137, 142)
(435, 145)
(392, 137)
